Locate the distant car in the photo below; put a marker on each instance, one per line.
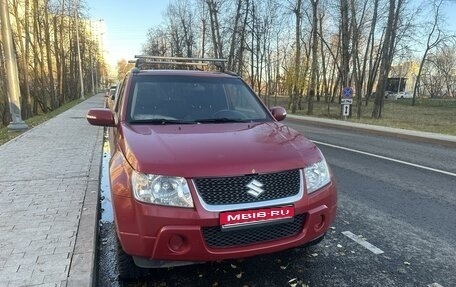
(403, 95)
(110, 95)
(397, 96)
(201, 170)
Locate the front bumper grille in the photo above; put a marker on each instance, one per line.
(216, 238)
(233, 190)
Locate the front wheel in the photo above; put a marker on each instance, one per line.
(126, 267)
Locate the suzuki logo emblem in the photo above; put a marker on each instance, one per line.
(255, 188)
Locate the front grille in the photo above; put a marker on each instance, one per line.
(233, 190)
(216, 238)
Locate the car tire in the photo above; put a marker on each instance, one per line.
(126, 267)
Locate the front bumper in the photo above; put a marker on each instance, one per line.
(150, 232)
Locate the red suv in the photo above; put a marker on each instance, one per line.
(201, 171)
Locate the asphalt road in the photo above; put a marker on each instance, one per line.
(396, 224)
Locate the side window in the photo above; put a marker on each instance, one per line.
(120, 95)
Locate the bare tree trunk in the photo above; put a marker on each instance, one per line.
(40, 99)
(47, 41)
(437, 39)
(387, 55)
(203, 39)
(369, 55)
(345, 37)
(241, 50)
(295, 90)
(358, 71)
(314, 69)
(252, 44)
(323, 61)
(215, 28)
(231, 55)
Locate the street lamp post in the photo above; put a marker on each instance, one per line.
(16, 124)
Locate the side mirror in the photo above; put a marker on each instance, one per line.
(101, 117)
(278, 113)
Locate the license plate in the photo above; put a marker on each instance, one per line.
(256, 215)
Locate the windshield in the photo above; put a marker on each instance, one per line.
(187, 99)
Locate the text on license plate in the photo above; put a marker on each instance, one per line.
(254, 215)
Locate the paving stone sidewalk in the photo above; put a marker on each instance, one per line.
(48, 202)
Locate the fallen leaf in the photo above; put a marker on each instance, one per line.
(283, 267)
(233, 266)
(407, 263)
(314, 254)
(238, 276)
(339, 246)
(293, 282)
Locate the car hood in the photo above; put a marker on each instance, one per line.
(206, 150)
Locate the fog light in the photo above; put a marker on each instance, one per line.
(176, 243)
(320, 224)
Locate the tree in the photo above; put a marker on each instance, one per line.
(434, 38)
(213, 7)
(181, 28)
(44, 39)
(314, 68)
(387, 52)
(296, 91)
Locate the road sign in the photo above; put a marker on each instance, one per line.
(345, 110)
(346, 101)
(347, 92)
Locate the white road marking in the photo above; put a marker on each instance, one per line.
(388, 158)
(363, 243)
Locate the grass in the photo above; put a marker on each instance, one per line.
(428, 115)
(6, 135)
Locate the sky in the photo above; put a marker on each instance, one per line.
(127, 23)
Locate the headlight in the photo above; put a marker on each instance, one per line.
(162, 190)
(317, 176)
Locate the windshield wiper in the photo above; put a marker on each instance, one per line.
(163, 122)
(222, 120)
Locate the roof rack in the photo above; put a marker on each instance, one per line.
(143, 62)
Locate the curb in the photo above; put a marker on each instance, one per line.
(82, 270)
(83, 263)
